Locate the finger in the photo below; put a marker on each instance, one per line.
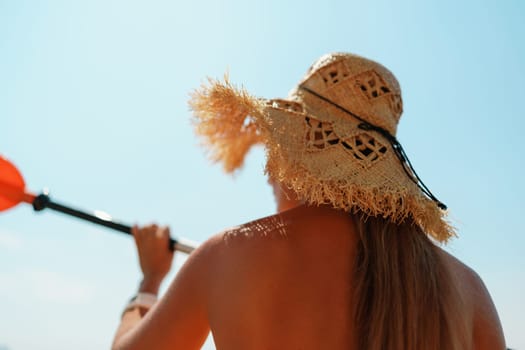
(135, 231)
(143, 234)
(160, 232)
(153, 227)
(146, 230)
(150, 232)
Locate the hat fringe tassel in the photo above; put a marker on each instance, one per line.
(397, 206)
(224, 117)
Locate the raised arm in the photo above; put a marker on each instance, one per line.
(178, 319)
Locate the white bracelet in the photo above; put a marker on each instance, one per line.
(144, 300)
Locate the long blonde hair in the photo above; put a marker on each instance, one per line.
(406, 298)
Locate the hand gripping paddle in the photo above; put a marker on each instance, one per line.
(12, 192)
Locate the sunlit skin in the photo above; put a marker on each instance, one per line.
(270, 288)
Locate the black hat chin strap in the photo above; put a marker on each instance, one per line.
(396, 146)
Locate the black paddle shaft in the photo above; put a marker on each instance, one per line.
(43, 201)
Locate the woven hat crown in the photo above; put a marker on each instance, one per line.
(358, 84)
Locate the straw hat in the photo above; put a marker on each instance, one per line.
(332, 141)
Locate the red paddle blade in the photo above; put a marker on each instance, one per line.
(12, 186)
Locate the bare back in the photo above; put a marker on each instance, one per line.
(286, 282)
(278, 285)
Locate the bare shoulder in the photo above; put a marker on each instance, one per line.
(470, 280)
(487, 330)
(466, 275)
(243, 240)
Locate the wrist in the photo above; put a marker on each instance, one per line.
(150, 285)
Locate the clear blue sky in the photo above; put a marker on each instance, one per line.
(93, 105)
